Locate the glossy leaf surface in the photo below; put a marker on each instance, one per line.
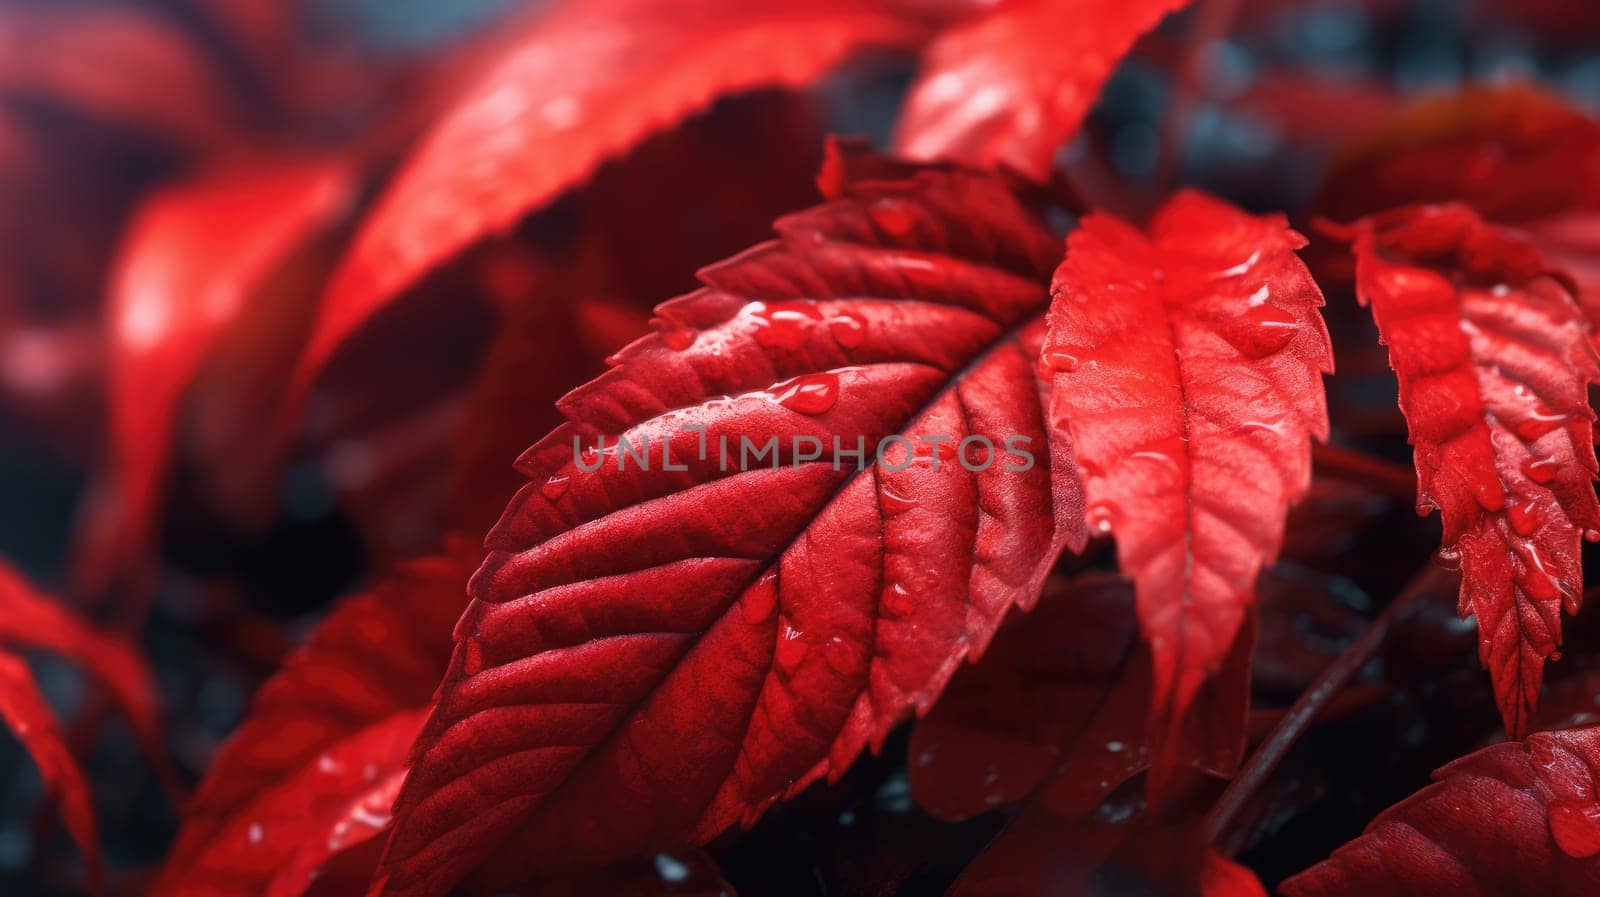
(768, 621)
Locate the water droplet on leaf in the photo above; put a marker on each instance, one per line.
(811, 394)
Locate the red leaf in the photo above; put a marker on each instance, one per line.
(1494, 366)
(116, 64)
(29, 619)
(29, 718)
(316, 764)
(1060, 701)
(1492, 148)
(1013, 86)
(721, 178)
(1187, 366)
(1509, 819)
(580, 84)
(192, 262)
(764, 625)
(1516, 155)
(1118, 852)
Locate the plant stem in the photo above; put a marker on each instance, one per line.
(1428, 581)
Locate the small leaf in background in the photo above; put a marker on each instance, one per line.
(1012, 86)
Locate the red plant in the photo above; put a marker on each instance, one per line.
(808, 582)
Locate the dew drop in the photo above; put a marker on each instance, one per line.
(678, 338)
(256, 834)
(1524, 518)
(671, 869)
(785, 328)
(897, 600)
(555, 487)
(1115, 747)
(1540, 470)
(811, 394)
(1062, 362)
(792, 649)
(1540, 420)
(1263, 330)
(893, 502)
(1448, 558)
(894, 216)
(1099, 518)
(848, 328)
(1591, 535)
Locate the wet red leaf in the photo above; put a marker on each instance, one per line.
(1494, 367)
(767, 624)
(1187, 367)
(1509, 819)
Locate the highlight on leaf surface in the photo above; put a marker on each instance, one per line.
(1514, 818)
(1494, 363)
(1012, 86)
(1187, 365)
(771, 619)
(195, 258)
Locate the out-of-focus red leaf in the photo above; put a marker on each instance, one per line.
(1574, 22)
(315, 766)
(29, 619)
(721, 178)
(1494, 367)
(1515, 154)
(769, 623)
(192, 262)
(29, 718)
(1495, 149)
(1013, 86)
(1510, 819)
(1309, 109)
(1062, 695)
(1187, 372)
(116, 64)
(580, 83)
(1116, 852)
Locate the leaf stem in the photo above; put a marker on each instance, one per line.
(1426, 582)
